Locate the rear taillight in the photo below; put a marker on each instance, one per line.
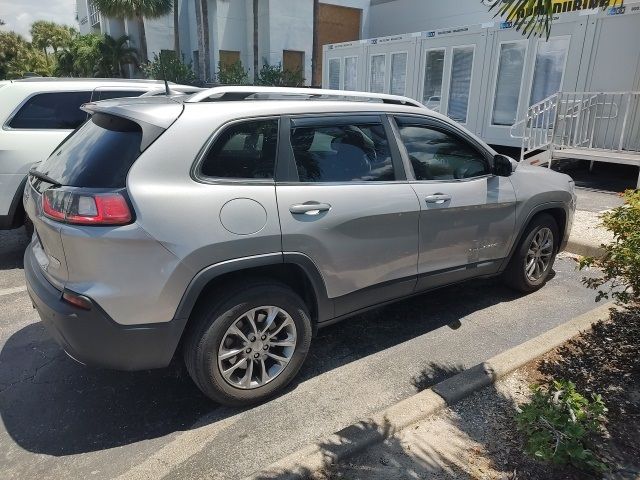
(86, 208)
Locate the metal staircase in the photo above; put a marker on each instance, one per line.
(594, 126)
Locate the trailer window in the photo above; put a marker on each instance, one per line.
(398, 73)
(433, 70)
(508, 81)
(334, 74)
(459, 89)
(550, 61)
(351, 73)
(378, 69)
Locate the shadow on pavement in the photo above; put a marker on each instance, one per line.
(12, 246)
(51, 405)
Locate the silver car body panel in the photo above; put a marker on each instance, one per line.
(376, 235)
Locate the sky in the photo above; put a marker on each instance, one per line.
(19, 14)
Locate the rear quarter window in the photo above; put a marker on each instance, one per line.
(97, 155)
(52, 111)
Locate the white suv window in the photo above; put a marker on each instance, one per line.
(53, 110)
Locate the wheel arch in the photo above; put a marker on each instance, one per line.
(292, 269)
(560, 213)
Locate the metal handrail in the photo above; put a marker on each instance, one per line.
(238, 93)
(604, 121)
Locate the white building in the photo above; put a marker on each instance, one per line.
(285, 31)
(456, 58)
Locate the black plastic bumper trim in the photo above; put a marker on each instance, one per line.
(91, 337)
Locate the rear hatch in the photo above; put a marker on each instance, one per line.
(83, 183)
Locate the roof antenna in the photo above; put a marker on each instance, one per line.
(164, 76)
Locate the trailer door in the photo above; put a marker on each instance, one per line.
(390, 65)
(451, 72)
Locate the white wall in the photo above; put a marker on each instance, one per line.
(391, 17)
(159, 32)
(290, 28)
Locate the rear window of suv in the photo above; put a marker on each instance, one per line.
(97, 155)
(52, 111)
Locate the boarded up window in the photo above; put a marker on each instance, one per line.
(293, 61)
(229, 57)
(335, 24)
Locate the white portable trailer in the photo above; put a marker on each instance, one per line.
(488, 76)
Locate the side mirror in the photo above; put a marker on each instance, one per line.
(502, 166)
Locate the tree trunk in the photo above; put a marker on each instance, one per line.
(205, 40)
(143, 40)
(201, 72)
(176, 30)
(256, 36)
(315, 52)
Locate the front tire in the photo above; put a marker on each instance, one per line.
(248, 347)
(533, 259)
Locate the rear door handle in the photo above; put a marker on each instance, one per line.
(438, 198)
(311, 208)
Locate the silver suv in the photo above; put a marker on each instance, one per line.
(229, 225)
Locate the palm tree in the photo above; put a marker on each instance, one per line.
(255, 41)
(202, 22)
(532, 17)
(137, 9)
(176, 29)
(115, 53)
(315, 49)
(42, 33)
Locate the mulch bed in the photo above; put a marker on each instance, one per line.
(604, 360)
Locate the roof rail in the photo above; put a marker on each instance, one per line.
(238, 93)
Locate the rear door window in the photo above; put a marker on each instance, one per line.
(52, 111)
(97, 155)
(355, 152)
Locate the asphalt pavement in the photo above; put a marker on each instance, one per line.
(63, 420)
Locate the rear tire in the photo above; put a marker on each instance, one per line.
(532, 262)
(240, 322)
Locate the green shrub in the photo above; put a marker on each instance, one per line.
(620, 263)
(175, 69)
(558, 422)
(234, 74)
(275, 76)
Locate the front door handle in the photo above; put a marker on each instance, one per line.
(310, 208)
(439, 198)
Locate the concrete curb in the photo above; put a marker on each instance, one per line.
(584, 249)
(358, 436)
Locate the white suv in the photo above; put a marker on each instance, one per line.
(36, 114)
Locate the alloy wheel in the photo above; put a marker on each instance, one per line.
(257, 347)
(539, 254)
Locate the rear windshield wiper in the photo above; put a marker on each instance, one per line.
(44, 177)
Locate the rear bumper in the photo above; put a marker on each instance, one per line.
(91, 337)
